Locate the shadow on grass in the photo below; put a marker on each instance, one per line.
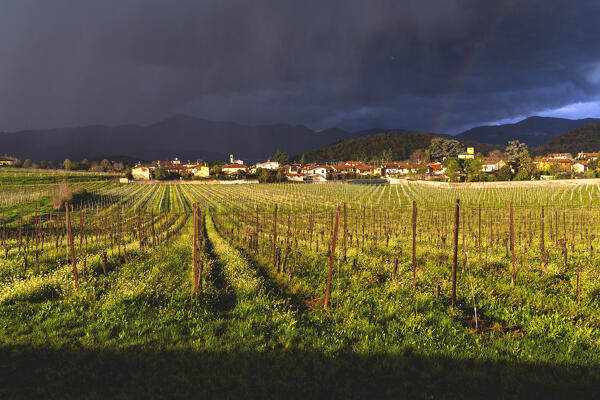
(275, 285)
(150, 373)
(223, 297)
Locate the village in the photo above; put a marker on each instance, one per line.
(460, 168)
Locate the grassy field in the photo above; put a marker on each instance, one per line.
(526, 318)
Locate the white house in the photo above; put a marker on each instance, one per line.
(436, 168)
(268, 165)
(231, 169)
(492, 165)
(560, 156)
(579, 167)
(319, 170)
(392, 169)
(141, 172)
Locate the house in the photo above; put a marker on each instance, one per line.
(555, 161)
(560, 156)
(435, 168)
(394, 169)
(294, 169)
(415, 168)
(232, 169)
(6, 161)
(579, 167)
(174, 166)
(200, 171)
(470, 153)
(561, 163)
(167, 164)
(489, 165)
(318, 170)
(268, 165)
(587, 156)
(343, 169)
(141, 172)
(363, 169)
(542, 163)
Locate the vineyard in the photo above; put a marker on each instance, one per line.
(301, 290)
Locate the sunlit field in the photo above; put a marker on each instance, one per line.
(300, 290)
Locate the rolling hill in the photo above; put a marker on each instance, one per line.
(585, 138)
(402, 144)
(534, 131)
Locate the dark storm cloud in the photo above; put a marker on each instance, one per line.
(426, 65)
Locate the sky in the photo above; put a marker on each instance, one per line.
(426, 65)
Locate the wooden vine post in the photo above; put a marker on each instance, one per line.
(479, 234)
(332, 256)
(139, 223)
(37, 241)
(455, 255)
(20, 228)
(345, 230)
(275, 263)
(579, 284)
(119, 234)
(512, 246)
(257, 231)
(72, 246)
(414, 244)
(200, 235)
(195, 247)
(3, 228)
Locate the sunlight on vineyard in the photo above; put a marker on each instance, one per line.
(250, 269)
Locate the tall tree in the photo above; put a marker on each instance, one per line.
(387, 156)
(281, 157)
(527, 169)
(515, 149)
(473, 169)
(441, 148)
(453, 169)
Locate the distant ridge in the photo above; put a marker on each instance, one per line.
(533, 130)
(180, 136)
(585, 138)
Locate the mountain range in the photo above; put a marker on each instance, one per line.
(194, 138)
(178, 136)
(534, 130)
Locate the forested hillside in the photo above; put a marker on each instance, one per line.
(393, 146)
(585, 138)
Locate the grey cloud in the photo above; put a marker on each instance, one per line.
(436, 64)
